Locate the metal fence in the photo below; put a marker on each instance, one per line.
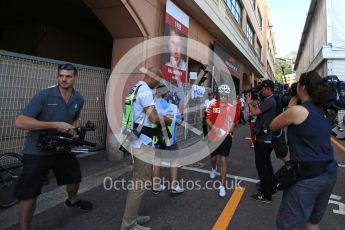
(194, 116)
(22, 76)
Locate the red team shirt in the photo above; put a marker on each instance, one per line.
(221, 117)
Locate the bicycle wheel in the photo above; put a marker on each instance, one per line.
(11, 167)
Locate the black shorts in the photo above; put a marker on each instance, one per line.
(224, 147)
(36, 167)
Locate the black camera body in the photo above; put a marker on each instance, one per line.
(53, 141)
(254, 92)
(89, 126)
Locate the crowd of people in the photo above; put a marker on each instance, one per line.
(308, 131)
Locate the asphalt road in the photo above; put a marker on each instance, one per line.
(195, 209)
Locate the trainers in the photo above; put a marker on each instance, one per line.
(138, 227)
(213, 173)
(260, 197)
(222, 192)
(274, 192)
(143, 220)
(177, 190)
(83, 205)
(161, 188)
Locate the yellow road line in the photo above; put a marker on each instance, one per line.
(338, 144)
(229, 210)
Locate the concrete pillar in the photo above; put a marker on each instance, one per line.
(149, 17)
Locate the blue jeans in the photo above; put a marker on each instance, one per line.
(306, 201)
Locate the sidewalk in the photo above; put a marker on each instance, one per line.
(94, 169)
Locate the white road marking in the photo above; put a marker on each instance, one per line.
(334, 197)
(227, 175)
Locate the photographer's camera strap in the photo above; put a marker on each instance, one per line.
(277, 134)
(154, 133)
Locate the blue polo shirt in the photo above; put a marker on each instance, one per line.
(49, 105)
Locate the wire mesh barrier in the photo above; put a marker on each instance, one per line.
(193, 117)
(22, 76)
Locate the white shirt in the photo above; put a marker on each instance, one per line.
(208, 103)
(197, 91)
(242, 102)
(143, 99)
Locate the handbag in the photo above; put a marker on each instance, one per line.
(286, 176)
(294, 171)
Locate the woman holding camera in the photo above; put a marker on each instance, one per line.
(309, 131)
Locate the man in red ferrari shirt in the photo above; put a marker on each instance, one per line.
(220, 121)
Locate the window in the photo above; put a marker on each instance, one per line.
(259, 49)
(252, 2)
(249, 33)
(259, 19)
(235, 8)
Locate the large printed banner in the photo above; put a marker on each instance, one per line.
(175, 68)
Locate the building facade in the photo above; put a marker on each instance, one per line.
(322, 46)
(290, 78)
(97, 33)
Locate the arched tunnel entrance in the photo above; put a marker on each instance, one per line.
(35, 36)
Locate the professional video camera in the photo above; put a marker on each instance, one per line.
(254, 91)
(282, 94)
(54, 141)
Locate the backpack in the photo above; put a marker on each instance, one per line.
(127, 119)
(127, 116)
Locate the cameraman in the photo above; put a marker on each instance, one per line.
(265, 112)
(53, 109)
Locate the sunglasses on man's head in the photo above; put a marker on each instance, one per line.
(67, 67)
